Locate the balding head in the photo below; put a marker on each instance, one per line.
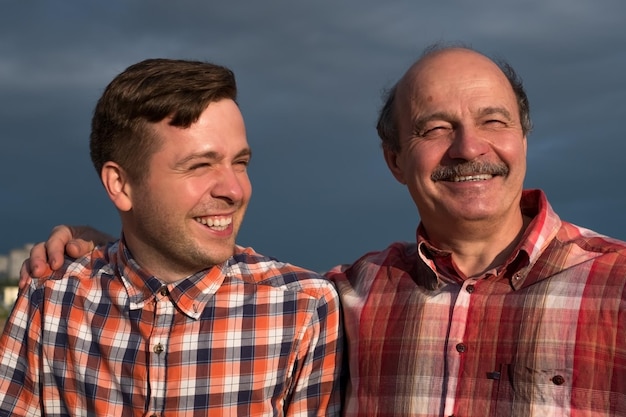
(437, 62)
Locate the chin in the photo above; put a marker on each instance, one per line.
(217, 255)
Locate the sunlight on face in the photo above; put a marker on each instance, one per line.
(463, 153)
(187, 213)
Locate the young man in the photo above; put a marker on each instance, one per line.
(500, 308)
(173, 318)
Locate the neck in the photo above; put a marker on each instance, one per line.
(477, 248)
(161, 264)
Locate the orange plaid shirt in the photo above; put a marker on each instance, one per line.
(543, 335)
(252, 337)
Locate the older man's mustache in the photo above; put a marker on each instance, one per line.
(469, 169)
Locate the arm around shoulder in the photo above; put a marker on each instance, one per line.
(318, 386)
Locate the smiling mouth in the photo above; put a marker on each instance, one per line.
(215, 223)
(470, 171)
(482, 177)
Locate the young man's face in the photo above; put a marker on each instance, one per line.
(457, 109)
(186, 214)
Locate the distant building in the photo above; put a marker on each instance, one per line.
(16, 259)
(10, 272)
(4, 266)
(8, 295)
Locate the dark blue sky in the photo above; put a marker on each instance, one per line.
(310, 77)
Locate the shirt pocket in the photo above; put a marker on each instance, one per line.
(527, 391)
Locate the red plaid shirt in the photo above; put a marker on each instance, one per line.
(543, 335)
(253, 337)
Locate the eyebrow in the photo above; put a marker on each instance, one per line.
(420, 122)
(212, 155)
(244, 152)
(494, 110)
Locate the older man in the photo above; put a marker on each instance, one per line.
(500, 308)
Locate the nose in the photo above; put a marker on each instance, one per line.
(467, 144)
(232, 184)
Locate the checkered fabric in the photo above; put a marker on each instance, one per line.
(252, 337)
(543, 335)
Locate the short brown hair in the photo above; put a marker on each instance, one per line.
(148, 92)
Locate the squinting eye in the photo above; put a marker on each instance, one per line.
(434, 131)
(242, 165)
(199, 166)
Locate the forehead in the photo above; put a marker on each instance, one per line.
(220, 128)
(455, 77)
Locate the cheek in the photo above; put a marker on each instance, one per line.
(512, 146)
(516, 156)
(180, 196)
(419, 165)
(194, 186)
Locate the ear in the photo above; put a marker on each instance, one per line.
(391, 157)
(115, 181)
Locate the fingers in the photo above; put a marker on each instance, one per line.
(55, 247)
(84, 239)
(45, 257)
(78, 247)
(25, 273)
(93, 236)
(36, 266)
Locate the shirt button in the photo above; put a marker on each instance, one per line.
(158, 348)
(558, 380)
(164, 291)
(495, 375)
(469, 289)
(461, 348)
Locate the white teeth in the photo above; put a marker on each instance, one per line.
(472, 178)
(217, 223)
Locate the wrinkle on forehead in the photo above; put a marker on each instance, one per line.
(454, 64)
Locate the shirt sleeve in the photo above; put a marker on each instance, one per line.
(317, 383)
(20, 357)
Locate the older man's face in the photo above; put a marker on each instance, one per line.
(463, 152)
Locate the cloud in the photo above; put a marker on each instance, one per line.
(310, 77)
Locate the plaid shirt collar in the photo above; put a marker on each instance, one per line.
(540, 232)
(190, 294)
